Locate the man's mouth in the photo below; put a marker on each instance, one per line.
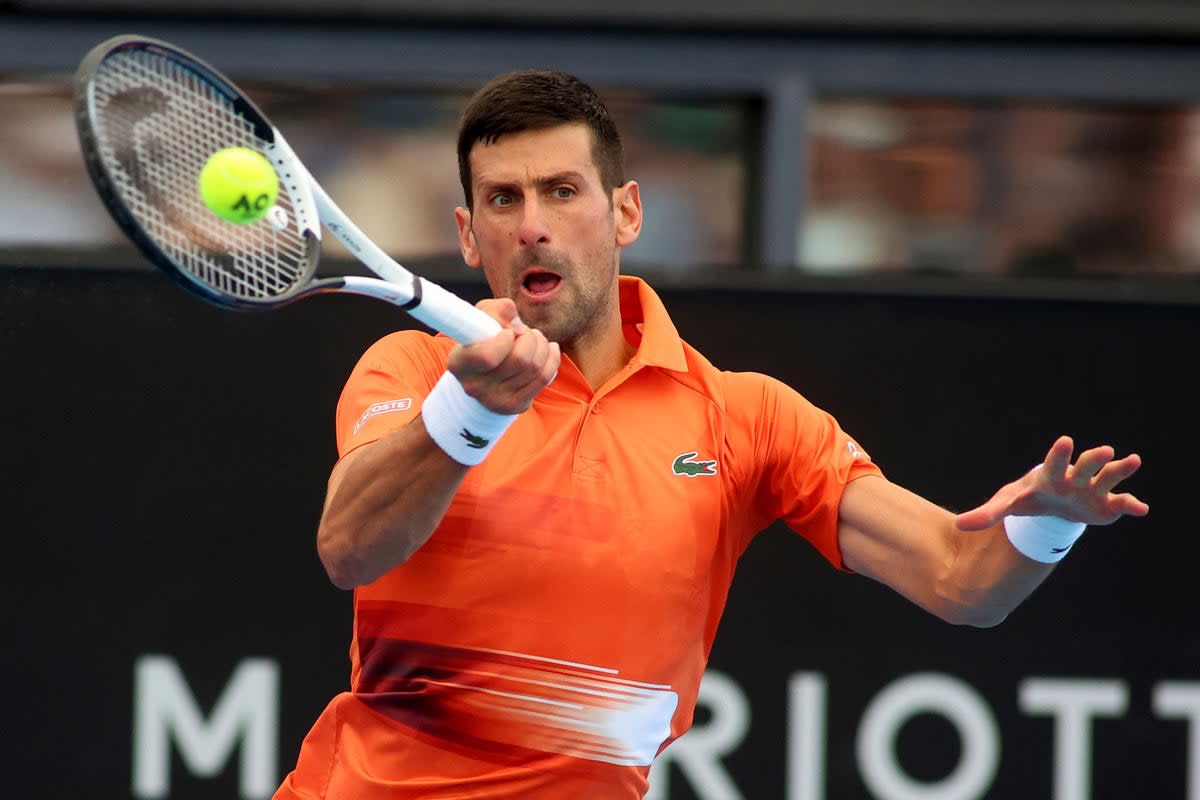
(540, 283)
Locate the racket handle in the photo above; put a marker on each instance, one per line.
(447, 312)
(425, 301)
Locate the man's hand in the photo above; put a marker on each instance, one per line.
(1080, 492)
(506, 372)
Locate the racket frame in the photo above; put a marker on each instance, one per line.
(312, 206)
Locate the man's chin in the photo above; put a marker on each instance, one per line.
(543, 323)
(551, 325)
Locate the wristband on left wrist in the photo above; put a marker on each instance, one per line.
(1044, 539)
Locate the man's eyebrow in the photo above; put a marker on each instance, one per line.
(566, 176)
(554, 179)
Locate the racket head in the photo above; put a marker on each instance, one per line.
(149, 115)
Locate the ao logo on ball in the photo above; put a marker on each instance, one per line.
(239, 184)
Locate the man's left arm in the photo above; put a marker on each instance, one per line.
(966, 569)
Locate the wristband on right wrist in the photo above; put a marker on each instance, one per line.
(459, 424)
(1044, 539)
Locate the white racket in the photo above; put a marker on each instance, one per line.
(149, 116)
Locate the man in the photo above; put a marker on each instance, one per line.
(541, 528)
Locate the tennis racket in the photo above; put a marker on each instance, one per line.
(149, 116)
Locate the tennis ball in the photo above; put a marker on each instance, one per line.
(239, 184)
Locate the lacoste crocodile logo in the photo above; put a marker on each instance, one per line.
(477, 442)
(684, 465)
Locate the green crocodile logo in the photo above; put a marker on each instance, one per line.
(478, 442)
(685, 466)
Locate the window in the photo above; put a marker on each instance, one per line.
(46, 197)
(388, 158)
(1021, 188)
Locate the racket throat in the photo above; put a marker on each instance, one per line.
(406, 298)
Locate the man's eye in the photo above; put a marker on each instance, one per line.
(502, 200)
(564, 192)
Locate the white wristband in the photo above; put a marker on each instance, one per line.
(1044, 539)
(459, 423)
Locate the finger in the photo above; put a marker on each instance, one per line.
(545, 373)
(519, 390)
(1116, 471)
(1128, 504)
(1088, 464)
(481, 357)
(504, 311)
(549, 366)
(550, 370)
(990, 513)
(528, 357)
(978, 519)
(1058, 458)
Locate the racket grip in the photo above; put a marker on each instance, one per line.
(447, 312)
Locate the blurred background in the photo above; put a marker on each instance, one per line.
(1045, 140)
(962, 227)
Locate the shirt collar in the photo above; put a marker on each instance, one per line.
(660, 345)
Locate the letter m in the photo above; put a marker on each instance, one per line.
(164, 710)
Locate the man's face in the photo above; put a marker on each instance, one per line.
(545, 230)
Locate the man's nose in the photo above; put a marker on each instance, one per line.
(534, 229)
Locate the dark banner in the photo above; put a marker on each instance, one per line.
(1058, 17)
(172, 633)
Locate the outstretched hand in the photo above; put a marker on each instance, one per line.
(1081, 492)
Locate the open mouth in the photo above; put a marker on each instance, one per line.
(540, 283)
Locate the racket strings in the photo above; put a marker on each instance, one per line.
(157, 124)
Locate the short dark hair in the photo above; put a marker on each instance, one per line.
(534, 100)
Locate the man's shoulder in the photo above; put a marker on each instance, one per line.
(411, 342)
(405, 352)
(746, 395)
(725, 381)
(728, 389)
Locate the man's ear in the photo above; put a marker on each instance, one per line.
(466, 238)
(627, 203)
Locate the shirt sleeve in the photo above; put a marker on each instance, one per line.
(800, 460)
(387, 386)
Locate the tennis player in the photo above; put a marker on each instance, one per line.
(541, 528)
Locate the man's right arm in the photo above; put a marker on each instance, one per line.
(387, 497)
(384, 501)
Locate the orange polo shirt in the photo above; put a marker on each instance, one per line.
(549, 639)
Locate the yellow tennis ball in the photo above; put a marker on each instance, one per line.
(239, 184)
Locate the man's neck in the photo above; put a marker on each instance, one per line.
(601, 357)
